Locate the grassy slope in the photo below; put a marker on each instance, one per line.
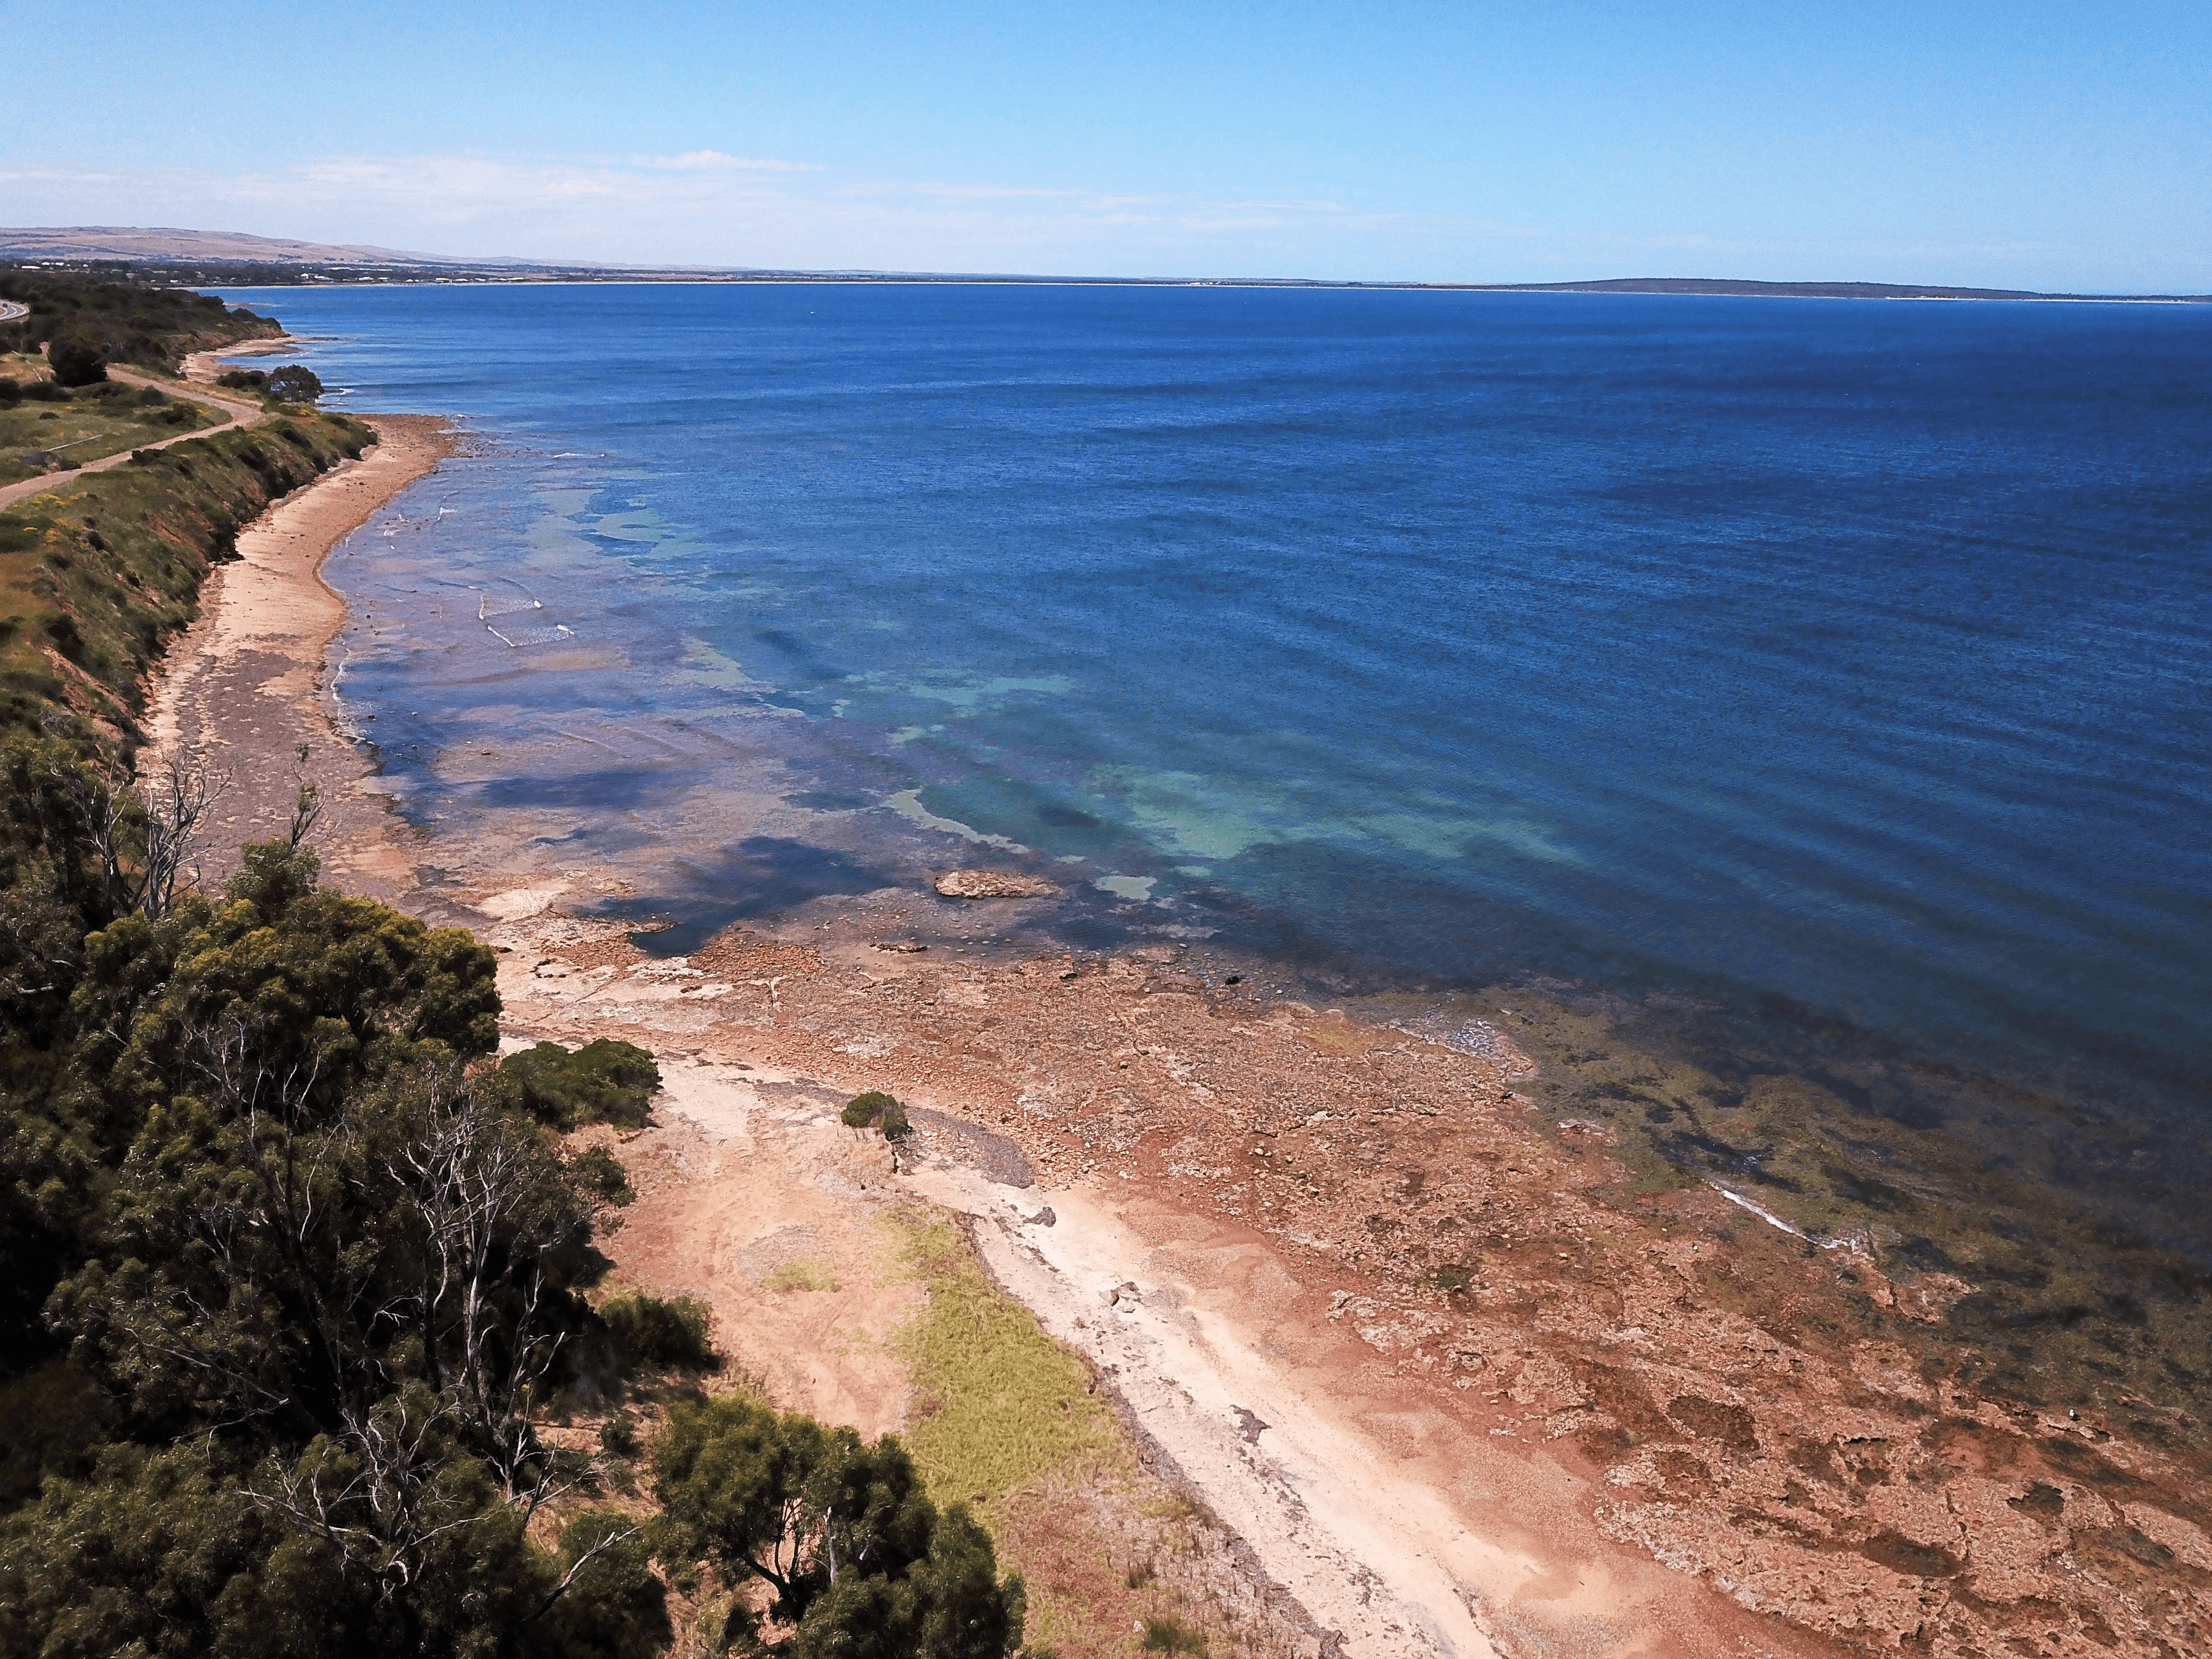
(96, 575)
(93, 421)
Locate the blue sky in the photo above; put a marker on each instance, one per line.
(2023, 144)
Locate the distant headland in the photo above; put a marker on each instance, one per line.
(200, 258)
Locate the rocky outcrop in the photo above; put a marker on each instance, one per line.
(994, 884)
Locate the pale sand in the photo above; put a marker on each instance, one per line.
(205, 366)
(245, 689)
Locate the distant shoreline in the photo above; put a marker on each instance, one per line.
(175, 256)
(1656, 288)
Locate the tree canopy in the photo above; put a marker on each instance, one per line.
(861, 1564)
(292, 1275)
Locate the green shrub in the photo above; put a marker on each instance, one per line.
(865, 1110)
(1170, 1635)
(781, 1498)
(602, 1082)
(616, 1609)
(295, 383)
(76, 359)
(601, 1175)
(894, 1123)
(242, 379)
(653, 1332)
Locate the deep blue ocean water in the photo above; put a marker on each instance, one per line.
(1858, 653)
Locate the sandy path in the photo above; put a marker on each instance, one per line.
(239, 415)
(1380, 1560)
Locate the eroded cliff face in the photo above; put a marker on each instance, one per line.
(1659, 1367)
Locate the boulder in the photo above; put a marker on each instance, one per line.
(994, 884)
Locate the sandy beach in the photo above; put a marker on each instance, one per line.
(1431, 1376)
(246, 690)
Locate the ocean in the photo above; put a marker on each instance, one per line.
(1842, 664)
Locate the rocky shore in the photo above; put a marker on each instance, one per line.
(1431, 1372)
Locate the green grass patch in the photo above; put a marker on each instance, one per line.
(92, 423)
(1004, 1407)
(801, 1274)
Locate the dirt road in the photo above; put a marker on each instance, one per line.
(239, 415)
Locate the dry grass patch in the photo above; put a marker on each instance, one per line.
(1001, 1405)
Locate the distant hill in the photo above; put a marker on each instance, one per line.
(163, 244)
(170, 257)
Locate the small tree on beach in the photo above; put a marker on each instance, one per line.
(295, 383)
(865, 1111)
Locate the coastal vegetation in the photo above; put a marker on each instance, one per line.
(295, 383)
(298, 1277)
(858, 1558)
(297, 1280)
(100, 321)
(291, 1280)
(878, 1111)
(45, 426)
(96, 575)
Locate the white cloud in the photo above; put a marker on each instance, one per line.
(707, 207)
(692, 160)
(699, 208)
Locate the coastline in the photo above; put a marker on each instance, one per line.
(246, 687)
(202, 368)
(1582, 1410)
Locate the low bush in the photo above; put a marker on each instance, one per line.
(243, 380)
(602, 1082)
(652, 1332)
(853, 1556)
(601, 1175)
(1172, 1636)
(865, 1111)
(295, 383)
(75, 358)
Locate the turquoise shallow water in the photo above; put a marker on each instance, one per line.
(1851, 653)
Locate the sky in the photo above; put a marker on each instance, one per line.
(2017, 143)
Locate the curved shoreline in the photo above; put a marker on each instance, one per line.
(242, 689)
(1559, 1445)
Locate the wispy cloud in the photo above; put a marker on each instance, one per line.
(694, 160)
(700, 206)
(705, 207)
